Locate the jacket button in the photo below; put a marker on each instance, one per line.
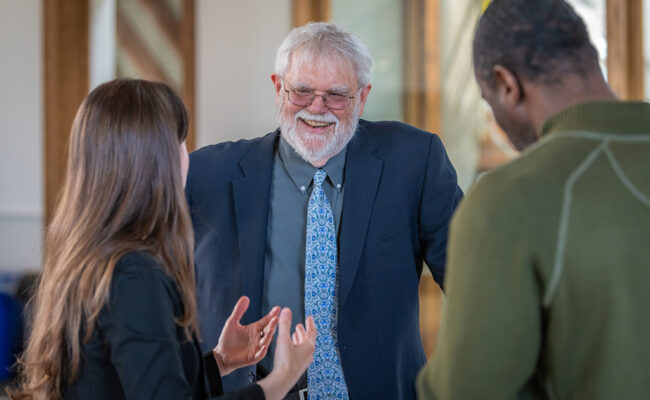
(251, 377)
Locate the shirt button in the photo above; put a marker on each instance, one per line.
(251, 377)
(302, 188)
(338, 185)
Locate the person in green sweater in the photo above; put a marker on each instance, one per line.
(548, 268)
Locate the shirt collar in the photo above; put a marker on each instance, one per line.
(302, 172)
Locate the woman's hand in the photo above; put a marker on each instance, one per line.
(241, 345)
(293, 354)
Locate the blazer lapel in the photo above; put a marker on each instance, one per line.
(251, 198)
(362, 176)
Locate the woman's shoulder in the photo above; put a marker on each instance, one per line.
(140, 292)
(137, 262)
(141, 274)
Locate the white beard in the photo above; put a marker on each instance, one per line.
(317, 147)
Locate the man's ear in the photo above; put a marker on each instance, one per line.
(363, 96)
(277, 83)
(508, 88)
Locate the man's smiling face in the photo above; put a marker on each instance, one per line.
(316, 131)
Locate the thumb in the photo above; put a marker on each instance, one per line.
(284, 325)
(239, 310)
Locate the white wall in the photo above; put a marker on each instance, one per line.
(21, 138)
(103, 41)
(235, 54)
(379, 24)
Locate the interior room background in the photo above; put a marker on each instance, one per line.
(219, 55)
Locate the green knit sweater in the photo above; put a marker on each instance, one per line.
(548, 274)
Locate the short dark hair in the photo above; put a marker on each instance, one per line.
(537, 39)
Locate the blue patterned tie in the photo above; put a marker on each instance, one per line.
(325, 375)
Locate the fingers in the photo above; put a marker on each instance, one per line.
(266, 335)
(268, 332)
(271, 321)
(265, 319)
(239, 310)
(263, 347)
(275, 311)
(299, 334)
(310, 338)
(305, 341)
(311, 329)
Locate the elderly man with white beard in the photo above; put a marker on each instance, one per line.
(329, 215)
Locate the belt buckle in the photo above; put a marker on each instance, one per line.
(302, 394)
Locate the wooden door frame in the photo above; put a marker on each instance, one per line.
(66, 80)
(304, 11)
(423, 89)
(625, 56)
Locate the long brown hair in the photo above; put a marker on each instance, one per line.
(123, 192)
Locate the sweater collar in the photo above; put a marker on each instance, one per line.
(603, 116)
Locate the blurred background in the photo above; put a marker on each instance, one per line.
(219, 55)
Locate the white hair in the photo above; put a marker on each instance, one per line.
(329, 39)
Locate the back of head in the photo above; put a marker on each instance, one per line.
(324, 39)
(540, 40)
(122, 192)
(123, 156)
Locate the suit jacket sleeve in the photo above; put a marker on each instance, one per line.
(440, 196)
(252, 392)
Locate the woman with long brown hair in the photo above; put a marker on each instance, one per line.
(115, 313)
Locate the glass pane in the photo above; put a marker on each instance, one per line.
(149, 42)
(379, 24)
(593, 12)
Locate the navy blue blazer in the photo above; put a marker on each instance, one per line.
(400, 192)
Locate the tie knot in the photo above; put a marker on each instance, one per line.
(319, 177)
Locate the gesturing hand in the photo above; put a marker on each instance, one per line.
(293, 354)
(241, 345)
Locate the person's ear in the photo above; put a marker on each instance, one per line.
(277, 83)
(508, 88)
(363, 96)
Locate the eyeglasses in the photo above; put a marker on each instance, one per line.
(303, 97)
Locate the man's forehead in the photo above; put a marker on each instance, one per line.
(309, 69)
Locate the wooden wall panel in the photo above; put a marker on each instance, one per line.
(65, 38)
(304, 11)
(414, 95)
(625, 48)
(432, 86)
(422, 97)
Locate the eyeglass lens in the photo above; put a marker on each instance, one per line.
(305, 98)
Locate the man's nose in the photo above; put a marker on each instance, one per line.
(318, 106)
